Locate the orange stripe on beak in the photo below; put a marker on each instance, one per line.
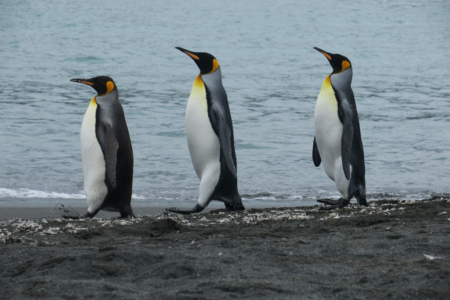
(86, 82)
(326, 55)
(192, 55)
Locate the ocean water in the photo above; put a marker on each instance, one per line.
(272, 74)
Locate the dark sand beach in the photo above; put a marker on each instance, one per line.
(391, 249)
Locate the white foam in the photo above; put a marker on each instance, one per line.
(138, 197)
(27, 193)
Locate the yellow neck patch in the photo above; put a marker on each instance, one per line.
(198, 92)
(198, 95)
(93, 101)
(327, 97)
(327, 80)
(198, 83)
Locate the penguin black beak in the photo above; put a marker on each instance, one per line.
(190, 53)
(327, 55)
(85, 81)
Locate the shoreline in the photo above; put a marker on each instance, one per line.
(59, 208)
(391, 249)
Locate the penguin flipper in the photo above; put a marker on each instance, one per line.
(346, 146)
(316, 155)
(226, 140)
(197, 208)
(345, 113)
(109, 145)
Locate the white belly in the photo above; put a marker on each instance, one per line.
(328, 130)
(202, 141)
(93, 161)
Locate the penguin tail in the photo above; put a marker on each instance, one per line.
(197, 208)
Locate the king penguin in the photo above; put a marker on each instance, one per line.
(337, 141)
(106, 151)
(209, 132)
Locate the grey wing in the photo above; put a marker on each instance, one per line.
(109, 145)
(316, 155)
(224, 129)
(345, 113)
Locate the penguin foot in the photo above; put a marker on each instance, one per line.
(71, 217)
(197, 208)
(225, 210)
(218, 211)
(363, 201)
(329, 201)
(333, 203)
(230, 207)
(131, 216)
(126, 214)
(86, 215)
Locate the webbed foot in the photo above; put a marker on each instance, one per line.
(230, 207)
(126, 214)
(333, 203)
(197, 208)
(86, 215)
(71, 217)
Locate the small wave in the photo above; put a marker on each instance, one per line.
(404, 195)
(258, 195)
(27, 193)
(86, 59)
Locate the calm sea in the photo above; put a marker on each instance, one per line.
(272, 74)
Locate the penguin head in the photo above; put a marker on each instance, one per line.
(205, 61)
(338, 62)
(102, 84)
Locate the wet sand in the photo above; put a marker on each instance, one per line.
(56, 211)
(392, 249)
(51, 213)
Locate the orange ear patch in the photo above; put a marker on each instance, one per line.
(215, 66)
(109, 87)
(345, 65)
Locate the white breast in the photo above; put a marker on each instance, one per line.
(203, 142)
(328, 129)
(93, 161)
